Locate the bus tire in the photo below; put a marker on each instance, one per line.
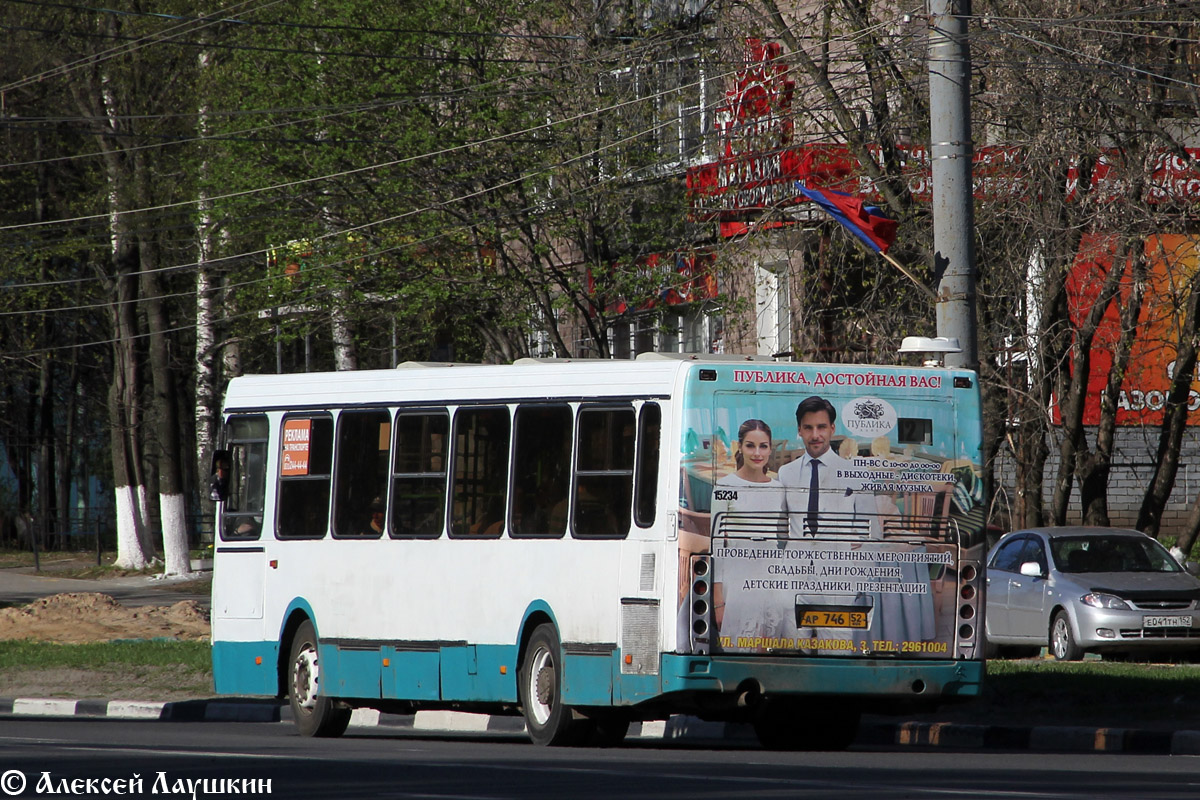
(549, 722)
(609, 728)
(808, 724)
(314, 713)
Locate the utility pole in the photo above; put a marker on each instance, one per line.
(950, 152)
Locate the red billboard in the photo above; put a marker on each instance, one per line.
(1172, 263)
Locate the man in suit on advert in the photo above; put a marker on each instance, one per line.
(818, 500)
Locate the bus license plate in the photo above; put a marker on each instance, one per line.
(833, 619)
(1174, 621)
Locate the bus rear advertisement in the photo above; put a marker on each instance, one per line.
(592, 543)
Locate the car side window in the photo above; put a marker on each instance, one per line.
(1035, 551)
(1008, 557)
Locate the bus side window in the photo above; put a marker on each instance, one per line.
(604, 472)
(242, 512)
(360, 477)
(480, 490)
(646, 486)
(419, 474)
(305, 463)
(541, 470)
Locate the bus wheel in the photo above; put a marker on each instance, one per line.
(314, 713)
(810, 724)
(610, 728)
(549, 722)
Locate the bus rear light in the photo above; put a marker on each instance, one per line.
(969, 573)
(967, 612)
(628, 658)
(699, 605)
(966, 632)
(968, 591)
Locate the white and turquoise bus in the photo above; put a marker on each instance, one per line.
(588, 543)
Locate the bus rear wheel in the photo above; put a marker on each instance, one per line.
(314, 713)
(808, 724)
(548, 720)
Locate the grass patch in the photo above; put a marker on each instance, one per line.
(1090, 692)
(25, 654)
(1115, 682)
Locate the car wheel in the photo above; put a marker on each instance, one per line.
(314, 713)
(990, 649)
(1062, 641)
(548, 721)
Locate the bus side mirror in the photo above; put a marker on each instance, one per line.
(218, 483)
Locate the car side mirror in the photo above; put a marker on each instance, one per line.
(1031, 569)
(1192, 567)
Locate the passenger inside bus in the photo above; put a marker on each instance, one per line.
(376, 510)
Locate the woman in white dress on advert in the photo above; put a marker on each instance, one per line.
(748, 490)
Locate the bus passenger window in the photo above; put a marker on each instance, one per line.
(480, 472)
(646, 488)
(541, 470)
(360, 479)
(305, 463)
(242, 512)
(419, 474)
(604, 472)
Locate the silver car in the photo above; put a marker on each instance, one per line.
(1081, 589)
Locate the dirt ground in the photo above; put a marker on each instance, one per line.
(93, 617)
(78, 617)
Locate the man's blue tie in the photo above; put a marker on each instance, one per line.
(814, 497)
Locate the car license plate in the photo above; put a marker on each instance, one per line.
(1173, 621)
(833, 619)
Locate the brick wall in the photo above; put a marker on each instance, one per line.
(1133, 462)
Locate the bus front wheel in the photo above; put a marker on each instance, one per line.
(314, 713)
(548, 720)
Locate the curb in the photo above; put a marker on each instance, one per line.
(947, 735)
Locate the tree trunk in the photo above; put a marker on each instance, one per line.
(124, 424)
(208, 403)
(171, 504)
(1077, 460)
(130, 554)
(1175, 417)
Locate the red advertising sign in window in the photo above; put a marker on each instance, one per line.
(296, 433)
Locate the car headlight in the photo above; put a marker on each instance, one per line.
(1102, 600)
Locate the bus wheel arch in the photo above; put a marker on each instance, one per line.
(286, 637)
(314, 712)
(548, 720)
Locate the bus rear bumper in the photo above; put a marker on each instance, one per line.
(928, 680)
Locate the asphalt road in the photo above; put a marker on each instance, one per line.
(387, 764)
(21, 585)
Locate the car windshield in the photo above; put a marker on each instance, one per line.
(1111, 554)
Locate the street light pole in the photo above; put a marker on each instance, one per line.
(950, 152)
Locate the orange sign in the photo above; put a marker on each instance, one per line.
(296, 433)
(1171, 264)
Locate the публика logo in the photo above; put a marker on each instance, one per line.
(869, 417)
